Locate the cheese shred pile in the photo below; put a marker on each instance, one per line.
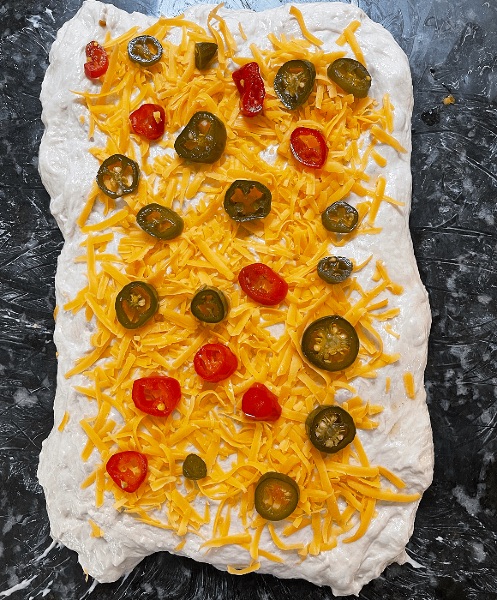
(339, 492)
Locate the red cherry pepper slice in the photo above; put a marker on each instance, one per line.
(127, 469)
(309, 147)
(249, 82)
(149, 121)
(215, 362)
(261, 404)
(262, 284)
(97, 61)
(156, 396)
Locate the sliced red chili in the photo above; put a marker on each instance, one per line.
(156, 396)
(260, 403)
(215, 362)
(128, 469)
(308, 146)
(262, 284)
(249, 82)
(97, 61)
(148, 121)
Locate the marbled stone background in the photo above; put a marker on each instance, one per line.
(452, 46)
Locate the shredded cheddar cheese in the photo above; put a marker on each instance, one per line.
(338, 493)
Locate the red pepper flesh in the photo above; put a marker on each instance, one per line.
(97, 61)
(261, 404)
(149, 121)
(249, 82)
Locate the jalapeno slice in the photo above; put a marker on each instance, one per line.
(330, 428)
(118, 175)
(145, 50)
(203, 139)
(334, 269)
(204, 53)
(194, 467)
(351, 76)
(340, 217)
(330, 343)
(246, 200)
(159, 221)
(209, 305)
(276, 496)
(136, 303)
(294, 82)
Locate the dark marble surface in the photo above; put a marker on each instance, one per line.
(452, 46)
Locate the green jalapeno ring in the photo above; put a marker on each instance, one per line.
(135, 304)
(276, 496)
(194, 467)
(334, 269)
(209, 305)
(159, 221)
(204, 53)
(330, 343)
(351, 76)
(203, 139)
(340, 217)
(330, 428)
(247, 200)
(294, 82)
(145, 50)
(118, 176)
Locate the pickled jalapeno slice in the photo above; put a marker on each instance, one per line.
(334, 269)
(194, 467)
(294, 82)
(145, 50)
(340, 217)
(204, 53)
(246, 200)
(330, 343)
(159, 221)
(203, 139)
(135, 304)
(276, 496)
(351, 76)
(330, 428)
(118, 175)
(209, 305)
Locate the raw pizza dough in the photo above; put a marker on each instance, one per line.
(402, 442)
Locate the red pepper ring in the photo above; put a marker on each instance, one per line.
(215, 362)
(157, 396)
(97, 61)
(148, 121)
(249, 82)
(127, 469)
(262, 284)
(260, 404)
(309, 147)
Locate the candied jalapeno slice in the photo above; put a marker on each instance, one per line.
(259, 403)
(194, 467)
(145, 50)
(340, 217)
(262, 284)
(157, 396)
(351, 76)
(330, 428)
(309, 147)
(127, 469)
(148, 121)
(97, 61)
(294, 82)
(203, 139)
(209, 305)
(118, 175)
(215, 362)
(204, 53)
(136, 303)
(159, 221)
(330, 343)
(334, 269)
(276, 496)
(250, 85)
(246, 200)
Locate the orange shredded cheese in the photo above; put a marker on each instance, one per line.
(408, 378)
(96, 531)
(338, 495)
(64, 421)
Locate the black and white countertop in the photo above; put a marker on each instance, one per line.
(452, 47)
